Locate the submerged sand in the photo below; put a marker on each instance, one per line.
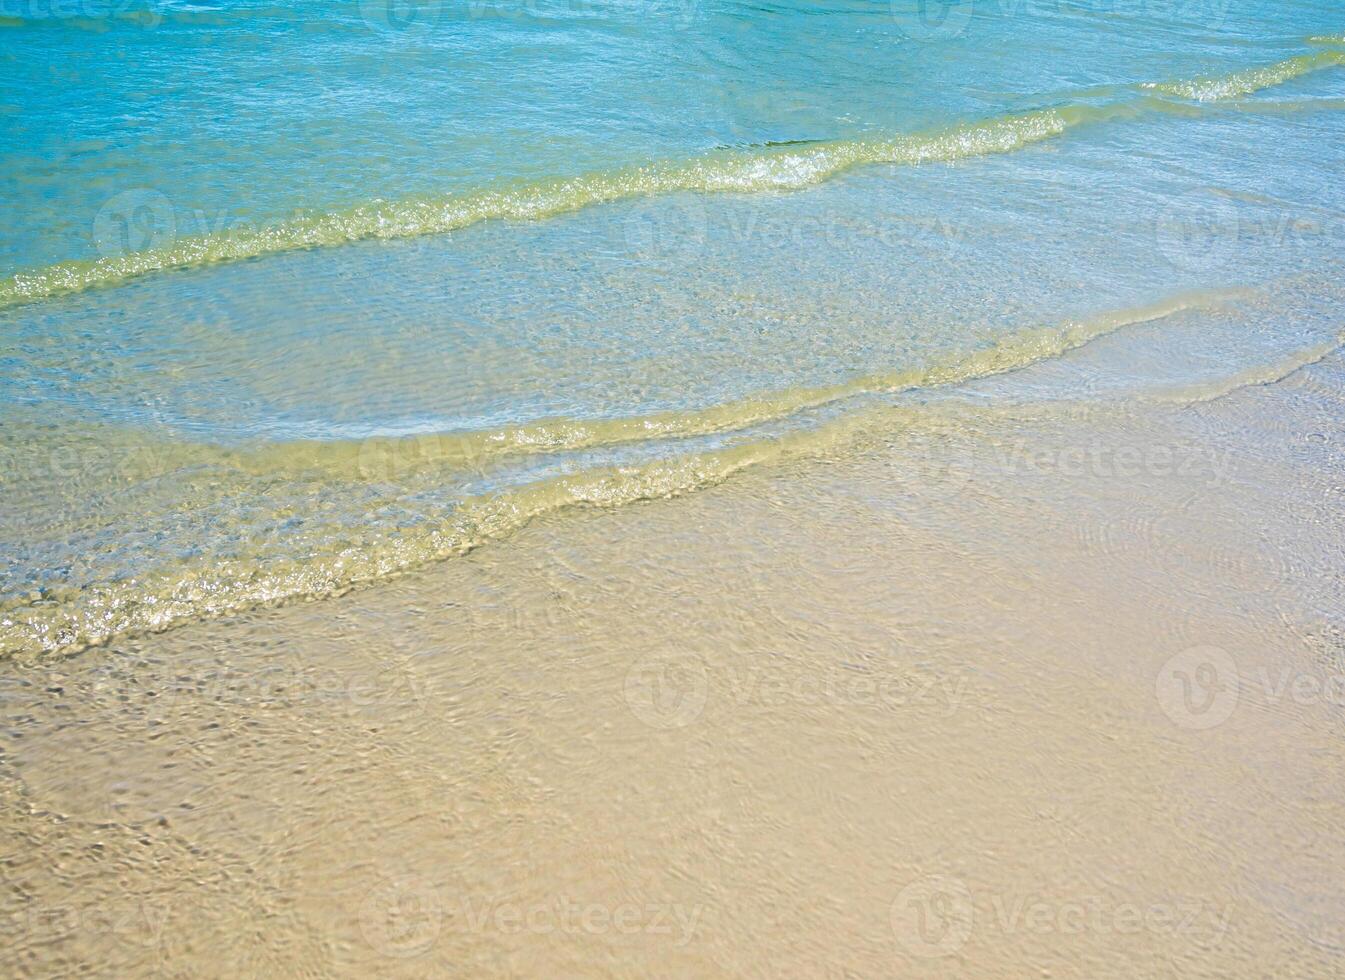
(1052, 688)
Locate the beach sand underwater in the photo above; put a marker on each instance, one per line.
(658, 489)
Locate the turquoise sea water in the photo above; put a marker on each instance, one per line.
(297, 295)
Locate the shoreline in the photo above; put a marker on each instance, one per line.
(984, 708)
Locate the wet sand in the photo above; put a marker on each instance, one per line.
(1053, 688)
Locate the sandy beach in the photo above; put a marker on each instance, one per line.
(1055, 690)
(672, 488)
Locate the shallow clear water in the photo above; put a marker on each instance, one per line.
(298, 296)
